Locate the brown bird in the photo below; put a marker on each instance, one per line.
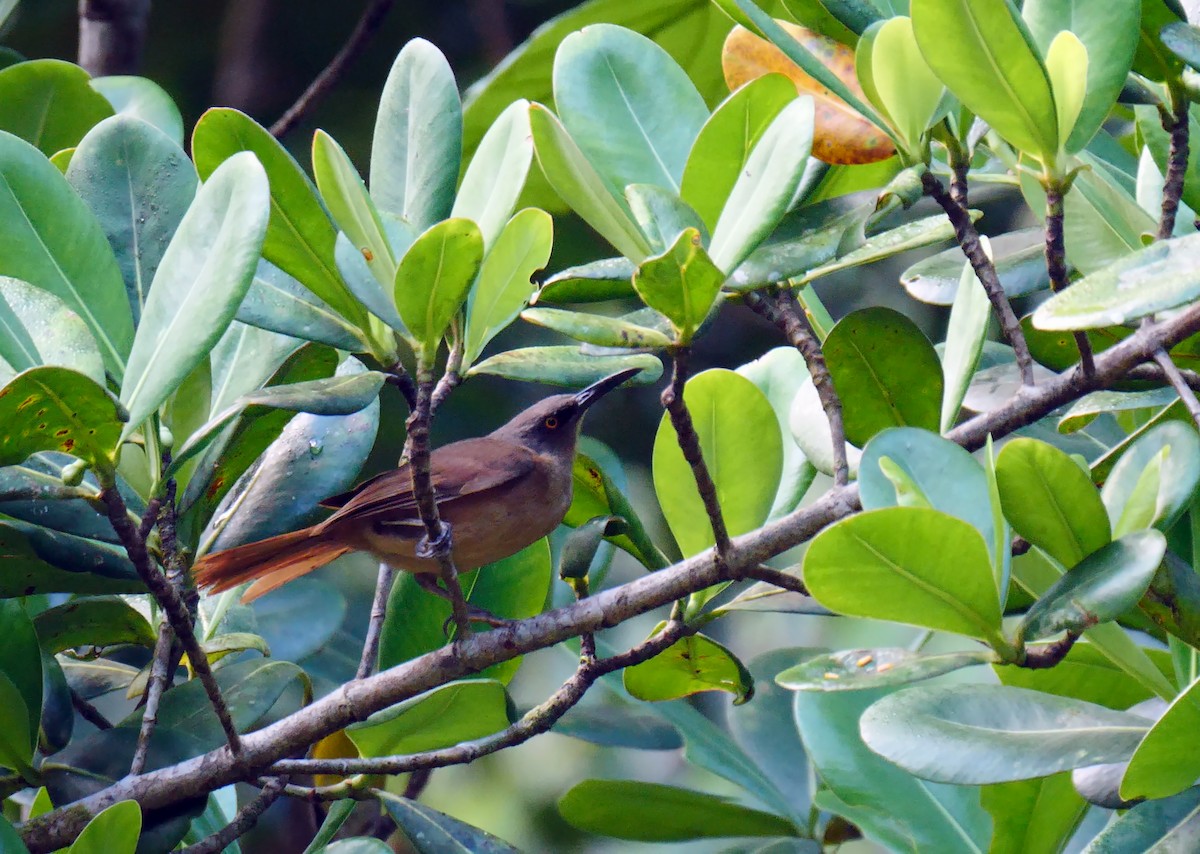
(498, 493)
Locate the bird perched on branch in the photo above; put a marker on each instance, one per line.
(498, 493)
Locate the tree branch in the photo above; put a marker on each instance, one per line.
(160, 675)
(1056, 264)
(534, 722)
(689, 444)
(168, 598)
(1176, 124)
(89, 712)
(985, 270)
(1173, 375)
(245, 819)
(111, 35)
(786, 313)
(368, 23)
(357, 700)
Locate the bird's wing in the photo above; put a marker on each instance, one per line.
(463, 468)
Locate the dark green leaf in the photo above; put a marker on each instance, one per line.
(974, 734)
(300, 618)
(886, 372)
(96, 621)
(43, 561)
(1170, 824)
(649, 812)
(598, 281)
(1020, 259)
(1105, 585)
(335, 817)
(619, 726)
(902, 238)
(597, 329)
(10, 840)
(20, 686)
(280, 303)
(433, 832)
(594, 494)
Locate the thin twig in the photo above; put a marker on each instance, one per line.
(985, 270)
(689, 444)
(1176, 124)
(368, 23)
(89, 712)
(402, 380)
(786, 313)
(534, 722)
(1178, 383)
(1056, 266)
(777, 578)
(160, 675)
(245, 819)
(452, 376)
(379, 603)
(437, 533)
(1154, 373)
(172, 605)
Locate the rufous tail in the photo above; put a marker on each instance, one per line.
(269, 563)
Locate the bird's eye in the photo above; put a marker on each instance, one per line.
(551, 423)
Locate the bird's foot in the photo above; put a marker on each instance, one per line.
(479, 615)
(437, 548)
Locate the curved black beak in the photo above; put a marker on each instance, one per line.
(597, 390)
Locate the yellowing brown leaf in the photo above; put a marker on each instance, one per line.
(841, 135)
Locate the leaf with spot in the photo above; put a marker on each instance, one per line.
(691, 665)
(56, 409)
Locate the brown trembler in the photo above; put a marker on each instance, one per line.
(498, 493)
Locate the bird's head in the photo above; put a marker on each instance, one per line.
(553, 423)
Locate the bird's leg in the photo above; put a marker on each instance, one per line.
(436, 549)
(478, 615)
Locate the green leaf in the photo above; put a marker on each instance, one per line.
(1110, 37)
(1065, 58)
(595, 494)
(1170, 824)
(597, 281)
(10, 840)
(966, 330)
(566, 366)
(432, 832)
(765, 186)
(514, 588)
(1106, 584)
(45, 561)
(1158, 141)
(859, 782)
(948, 477)
(202, 279)
(886, 373)
(681, 283)
(661, 214)
(444, 717)
(1169, 490)
(1084, 410)
(139, 184)
(504, 286)
(113, 831)
(351, 207)
(142, 99)
(902, 238)
(805, 240)
(983, 52)
(908, 92)
(909, 565)
(779, 373)
(1036, 816)
(97, 621)
(975, 734)
(691, 665)
(1165, 763)
(494, 179)
(300, 237)
(62, 338)
(580, 185)
(49, 103)
(1183, 40)
(1152, 59)
(335, 817)
(433, 278)
(418, 137)
(20, 686)
(725, 408)
(618, 725)
(1156, 278)
(863, 669)
(280, 303)
(650, 812)
(56, 409)
(597, 329)
(53, 242)
(1019, 258)
(726, 140)
(630, 107)
(1050, 501)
